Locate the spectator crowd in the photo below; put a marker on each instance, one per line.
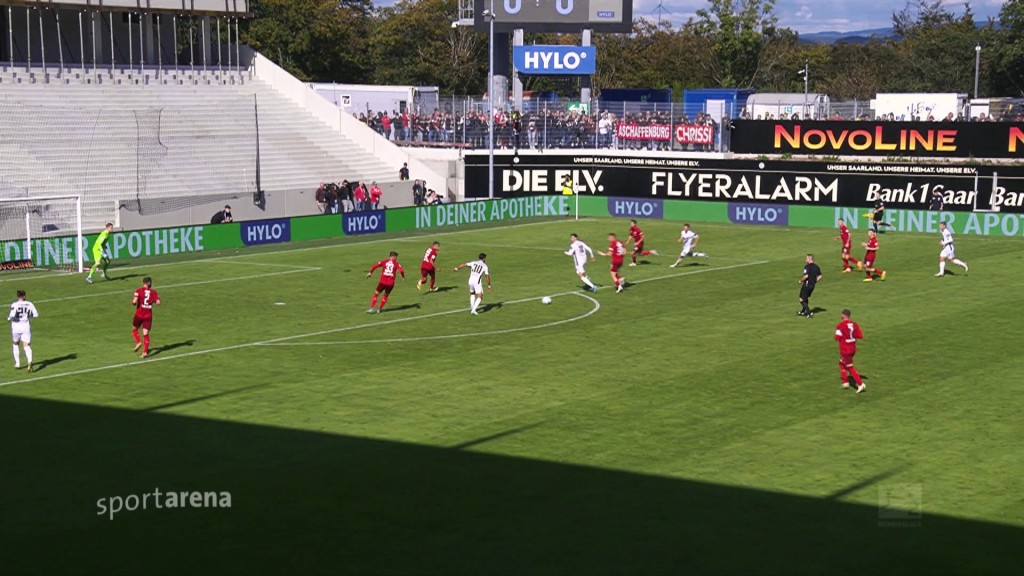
(547, 128)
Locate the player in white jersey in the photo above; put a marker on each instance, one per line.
(20, 316)
(478, 270)
(689, 239)
(578, 249)
(948, 252)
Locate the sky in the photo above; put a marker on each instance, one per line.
(808, 16)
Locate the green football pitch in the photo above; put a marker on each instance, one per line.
(692, 424)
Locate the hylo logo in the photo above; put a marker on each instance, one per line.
(758, 214)
(265, 232)
(364, 223)
(635, 208)
(545, 60)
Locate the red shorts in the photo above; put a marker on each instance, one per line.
(846, 359)
(142, 323)
(869, 260)
(424, 271)
(385, 288)
(638, 248)
(846, 250)
(616, 264)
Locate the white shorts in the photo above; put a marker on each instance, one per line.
(686, 252)
(581, 269)
(947, 252)
(21, 335)
(476, 288)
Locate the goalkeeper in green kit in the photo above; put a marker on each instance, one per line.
(101, 253)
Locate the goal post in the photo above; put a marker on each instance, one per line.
(42, 232)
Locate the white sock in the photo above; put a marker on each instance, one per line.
(586, 280)
(472, 302)
(942, 267)
(28, 354)
(700, 254)
(476, 303)
(17, 355)
(960, 263)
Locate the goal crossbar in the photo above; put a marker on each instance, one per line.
(34, 200)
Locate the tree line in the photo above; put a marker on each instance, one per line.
(730, 43)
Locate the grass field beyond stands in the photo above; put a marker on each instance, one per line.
(690, 425)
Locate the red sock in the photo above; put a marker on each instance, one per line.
(877, 271)
(854, 260)
(145, 344)
(846, 263)
(646, 253)
(373, 301)
(868, 273)
(634, 257)
(842, 373)
(383, 300)
(856, 375)
(135, 334)
(432, 282)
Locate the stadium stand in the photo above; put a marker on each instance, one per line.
(154, 141)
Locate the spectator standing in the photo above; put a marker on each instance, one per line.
(375, 194)
(360, 197)
(321, 198)
(406, 126)
(385, 125)
(417, 192)
(403, 172)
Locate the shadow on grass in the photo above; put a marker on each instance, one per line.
(44, 364)
(444, 289)
(310, 503)
(169, 347)
(402, 307)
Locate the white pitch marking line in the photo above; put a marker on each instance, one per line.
(182, 285)
(593, 310)
(323, 332)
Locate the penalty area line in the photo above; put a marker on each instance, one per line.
(273, 341)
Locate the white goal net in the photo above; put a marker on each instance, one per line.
(43, 232)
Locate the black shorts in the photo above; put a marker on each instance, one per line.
(806, 291)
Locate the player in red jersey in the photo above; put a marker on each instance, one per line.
(617, 252)
(389, 267)
(844, 237)
(636, 236)
(144, 300)
(427, 267)
(871, 250)
(847, 334)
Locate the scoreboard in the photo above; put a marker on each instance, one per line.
(556, 15)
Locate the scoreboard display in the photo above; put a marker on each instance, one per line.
(556, 15)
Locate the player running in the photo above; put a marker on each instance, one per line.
(389, 268)
(871, 250)
(636, 236)
(427, 267)
(844, 237)
(847, 334)
(478, 270)
(578, 249)
(689, 239)
(617, 252)
(20, 316)
(144, 300)
(948, 252)
(101, 253)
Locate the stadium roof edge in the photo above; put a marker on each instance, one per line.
(218, 7)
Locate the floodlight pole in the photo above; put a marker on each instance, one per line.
(977, 68)
(806, 88)
(489, 14)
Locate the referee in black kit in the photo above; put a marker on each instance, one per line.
(811, 277)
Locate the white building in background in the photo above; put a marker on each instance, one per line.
(920, 105)
(364, 98)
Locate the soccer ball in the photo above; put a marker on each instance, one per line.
(545, 300)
